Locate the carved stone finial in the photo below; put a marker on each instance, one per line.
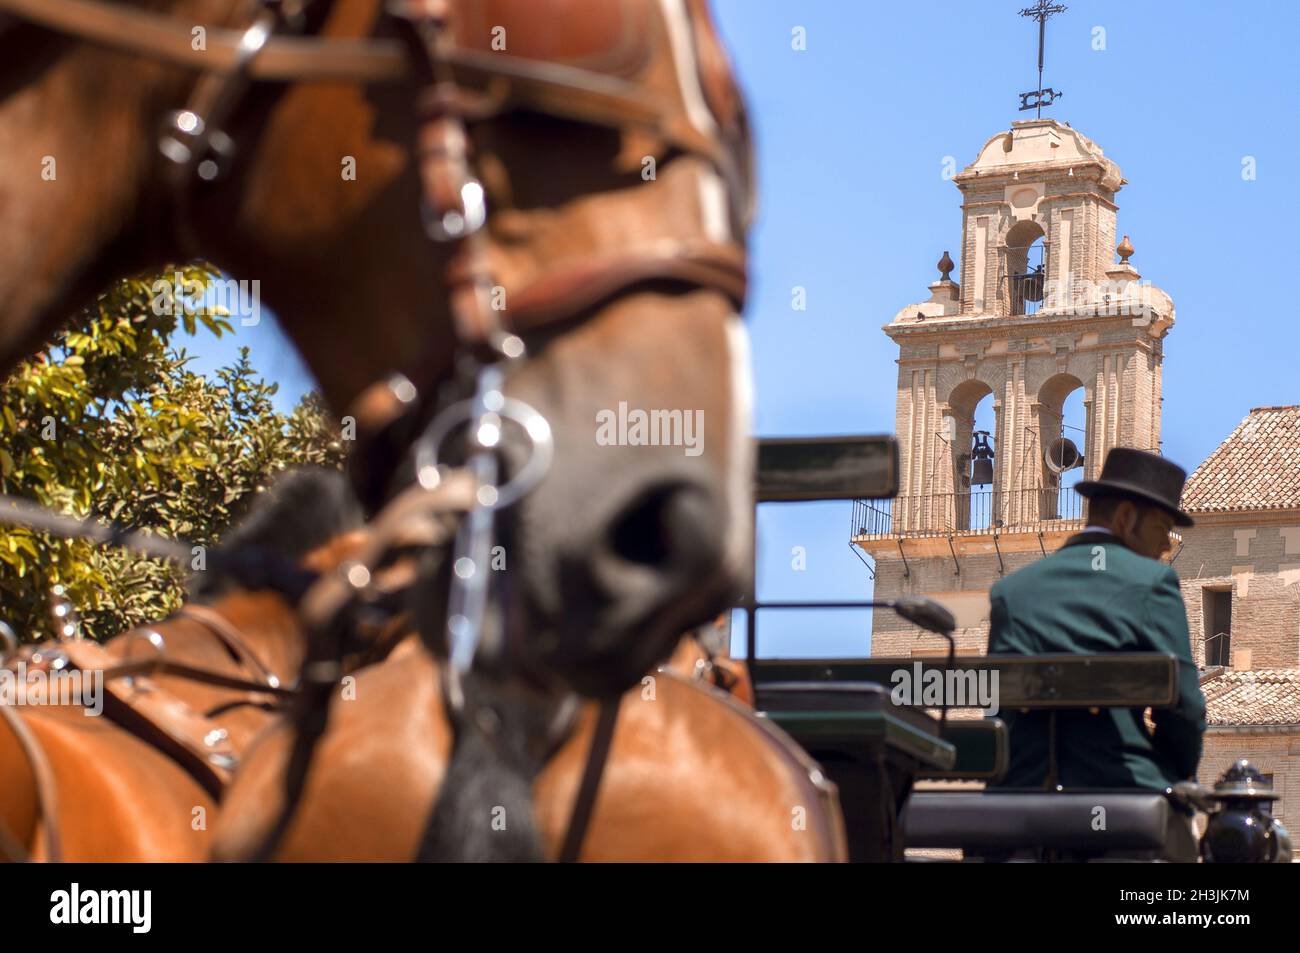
(1124, 249)
(945, 267)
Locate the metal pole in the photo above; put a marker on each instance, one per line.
(1042, 30)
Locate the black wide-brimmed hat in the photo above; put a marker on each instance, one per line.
(1142, 476)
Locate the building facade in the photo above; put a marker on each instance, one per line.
(1048, 304)
(1240, 572)
(1042, 310)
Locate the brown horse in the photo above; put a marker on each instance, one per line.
(115, 794)
(611, 154)
(692, 776)
(122, 800)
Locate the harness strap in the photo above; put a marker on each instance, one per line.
(161, 666)
(159, 718)
(46, 789)
(562, 293)
(233, 640)
(585, 803)
(416, 515)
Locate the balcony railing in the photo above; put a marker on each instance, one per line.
(978, 511)
(1023, 278)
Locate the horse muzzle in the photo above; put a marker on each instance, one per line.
(628, 588)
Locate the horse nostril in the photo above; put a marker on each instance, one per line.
(666, 525)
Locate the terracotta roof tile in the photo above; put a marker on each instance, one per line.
(1256, 468)
(1262, 697)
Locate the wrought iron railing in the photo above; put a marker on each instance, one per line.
(1026, 292)
(978, 511)
(1024, 278)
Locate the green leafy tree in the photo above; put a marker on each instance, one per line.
(108, 421)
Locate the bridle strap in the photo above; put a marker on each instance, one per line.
(498, 83)
(561, 294)
(158, 37)
(43, 774)
(584, 804)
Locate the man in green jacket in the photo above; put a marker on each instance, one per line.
(1106, 590)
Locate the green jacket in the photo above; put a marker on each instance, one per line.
(1068, 603)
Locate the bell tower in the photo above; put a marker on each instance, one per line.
(1043, 309)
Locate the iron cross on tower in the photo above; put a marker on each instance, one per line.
(1038, 98)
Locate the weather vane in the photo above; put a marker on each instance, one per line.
(1038, 98)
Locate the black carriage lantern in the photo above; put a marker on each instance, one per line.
(1244, 830)
(981, 467)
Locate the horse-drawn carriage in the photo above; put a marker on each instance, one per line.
(842, 711)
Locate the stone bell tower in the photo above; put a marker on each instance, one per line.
(1043, 309)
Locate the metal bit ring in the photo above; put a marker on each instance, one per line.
(528, 418)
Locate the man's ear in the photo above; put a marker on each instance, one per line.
(1126, 518)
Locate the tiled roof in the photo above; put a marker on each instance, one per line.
(1256, 468)
(1262, 697)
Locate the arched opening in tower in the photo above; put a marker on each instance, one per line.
(973, 427)
(1062, 446)
(1025, 270)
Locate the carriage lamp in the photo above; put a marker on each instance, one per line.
(1243, 829)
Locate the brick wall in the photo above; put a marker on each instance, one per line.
(1245, 554)
(934, 576)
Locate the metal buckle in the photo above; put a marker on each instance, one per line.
(451, 225)
(191, 141)
(152, 636)
(185, 142)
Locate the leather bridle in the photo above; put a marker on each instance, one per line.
(457, 87)
(548, 88)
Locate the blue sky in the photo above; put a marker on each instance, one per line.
(852, 137)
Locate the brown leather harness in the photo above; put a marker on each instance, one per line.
(196, 741)
(461, 82)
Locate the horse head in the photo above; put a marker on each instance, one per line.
(609, 148)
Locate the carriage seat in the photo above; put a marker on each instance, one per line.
(1077, 824)
(852, 721)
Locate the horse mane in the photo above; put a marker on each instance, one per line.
(301, 511)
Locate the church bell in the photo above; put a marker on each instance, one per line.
(981, 466)
(1061, 455)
